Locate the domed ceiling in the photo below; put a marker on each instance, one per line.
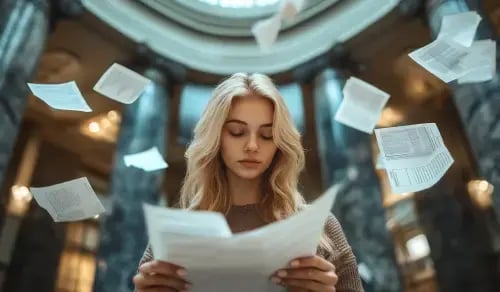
(214, 36)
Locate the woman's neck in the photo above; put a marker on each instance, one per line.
(244, 191)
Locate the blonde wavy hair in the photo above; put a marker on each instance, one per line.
(205, 186)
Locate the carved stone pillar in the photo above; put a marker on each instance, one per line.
(123, 233)
(347, 164)
(24, 25)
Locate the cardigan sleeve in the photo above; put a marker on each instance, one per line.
(342, 257)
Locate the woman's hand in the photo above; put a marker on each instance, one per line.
(308, 274)
(160, 276)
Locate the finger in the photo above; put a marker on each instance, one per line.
(327, 278)
(308, 285)
(297, 290)
(164, 268)
(312, 262)
(144, 281)
(157, 289)
(278, 281)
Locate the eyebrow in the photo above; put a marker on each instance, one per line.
(244, 123)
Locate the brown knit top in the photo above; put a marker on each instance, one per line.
(248, 217)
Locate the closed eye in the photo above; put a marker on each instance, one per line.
(236, 134)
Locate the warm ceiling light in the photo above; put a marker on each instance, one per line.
(113, 116)
(480, 192)
(417, 87)
(102, 127)
(105, 123)
(483, 186)
(390, 117)
(94, 127)
(21, 193)
(417, 247)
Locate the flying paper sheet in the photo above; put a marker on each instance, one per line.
(69, 201)
(266, 31)
(481, 62)
(442, 58)
(460, 28)
(362, 105)
(63, 96)
(121, 84)
(415, 156)
(148, 160)
(290, 8)
(455, 54)
(380, 162)
(219, 261)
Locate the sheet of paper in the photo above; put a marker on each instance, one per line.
(460, 28)
(243, 261)
(266, 31)
(380, 162)
(362, 105)
(121, 84)
(481, 62)
(415, 156)
(290, 8)
(149, 160)
(181, 224)
(442, 58)
(69, 201)
(63, 96)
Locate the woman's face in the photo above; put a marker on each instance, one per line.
(247, 144)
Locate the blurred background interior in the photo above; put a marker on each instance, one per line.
(446, 238)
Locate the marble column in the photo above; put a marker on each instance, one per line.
(347, 165)
(463, 238)
(478, 103)
(24, 26)
(123, 233)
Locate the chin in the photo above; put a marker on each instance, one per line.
(250, 177)
(248, 174)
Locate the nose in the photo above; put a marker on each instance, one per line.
(252, 144)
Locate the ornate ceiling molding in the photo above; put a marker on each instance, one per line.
(225, 55)
(227, 21)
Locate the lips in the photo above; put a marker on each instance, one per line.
(249, 161)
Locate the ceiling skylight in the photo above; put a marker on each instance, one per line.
(240, 3)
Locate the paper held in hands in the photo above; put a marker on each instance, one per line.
(414, 156)
(63, 96)
(217, 260)
(121, 84)
(69, 201)
(148, 160)
(362, 105)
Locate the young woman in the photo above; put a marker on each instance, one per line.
(244, 162)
